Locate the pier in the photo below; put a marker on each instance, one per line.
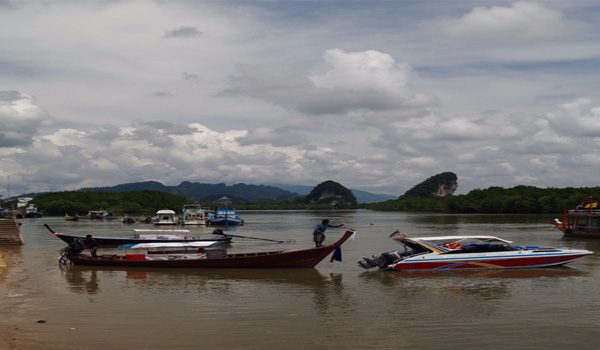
(10, 232)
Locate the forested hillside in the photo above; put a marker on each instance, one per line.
(497, 200)
(119, 203)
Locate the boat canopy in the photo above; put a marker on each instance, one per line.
(443, 239)
(165, 212)
(195, 244)
(444, 244)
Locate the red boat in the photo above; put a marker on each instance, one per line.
(214, 258)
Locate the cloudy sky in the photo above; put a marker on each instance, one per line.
(376, 95)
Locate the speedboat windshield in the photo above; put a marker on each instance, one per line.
(443, 244)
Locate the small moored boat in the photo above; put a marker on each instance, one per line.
(128, 220)
(467, 253)
(207, 258)
(99, 215)
(193, 214)
(224, 217)
(165, 217)
(71, 218)
(32, 211)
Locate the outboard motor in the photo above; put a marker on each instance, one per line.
(73, 248)
(381, 261)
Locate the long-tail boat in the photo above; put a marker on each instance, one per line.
(211, 258)
(157, 236)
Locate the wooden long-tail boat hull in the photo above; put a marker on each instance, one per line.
(297, 258)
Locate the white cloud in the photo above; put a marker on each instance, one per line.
(364, 71)
(20, 118)
(578, 118)
(523, 21)
(357, 81)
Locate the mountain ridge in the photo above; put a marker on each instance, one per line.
(240, 191)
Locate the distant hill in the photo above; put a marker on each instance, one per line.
(361, 196)
(334, 194)
(238, 192)
(440, 185)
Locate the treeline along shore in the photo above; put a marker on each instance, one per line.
(494, 200)
(497, 200)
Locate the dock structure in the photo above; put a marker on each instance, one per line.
(10, 232)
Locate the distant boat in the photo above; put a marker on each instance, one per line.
(145, 219)
(224, 217)
(193, 214)
(98, 215)
(165, 217)
(71, 218)
(583, 221)
(32, 212)
(128, 219)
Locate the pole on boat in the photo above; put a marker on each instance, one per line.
(220, 232)
(49, 229)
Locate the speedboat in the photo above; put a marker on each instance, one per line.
(467, 253)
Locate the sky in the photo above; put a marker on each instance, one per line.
(375, 95)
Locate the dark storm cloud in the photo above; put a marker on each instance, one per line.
(182, 32)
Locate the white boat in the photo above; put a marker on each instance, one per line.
(165, 217)
(193, 214)
(468, 253)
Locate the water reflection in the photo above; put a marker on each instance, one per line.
(392, 277)
(488, 284)
(327, 290)
(80, 281)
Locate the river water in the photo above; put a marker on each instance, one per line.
(334, 306)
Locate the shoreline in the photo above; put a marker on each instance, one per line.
(8, 333)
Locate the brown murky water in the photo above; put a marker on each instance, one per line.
(335, 306)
